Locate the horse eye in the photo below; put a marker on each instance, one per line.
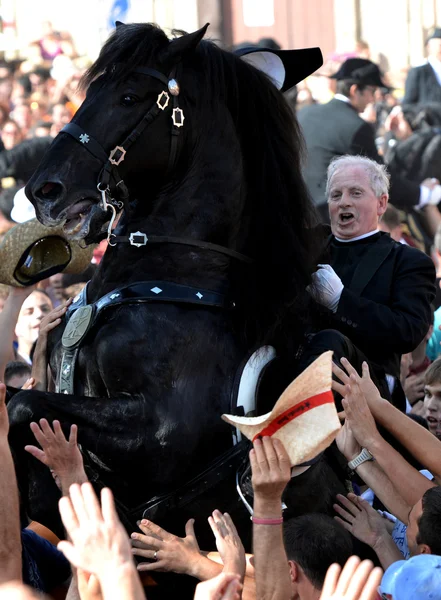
(128, 100)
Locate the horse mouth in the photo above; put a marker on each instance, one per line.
(78, 218)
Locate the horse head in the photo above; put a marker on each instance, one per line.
(130, 92)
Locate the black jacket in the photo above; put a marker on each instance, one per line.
(422, 86)
(22, 160)
(390, 312)
(334, 129)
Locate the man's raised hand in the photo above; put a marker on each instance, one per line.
(228, 543)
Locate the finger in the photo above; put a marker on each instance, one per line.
(230, 525)
(68, 515)
(339, 373)
(253, 462)
(152, 566)
(348, 367)
(189, 529)
(70, 553)
(344, 524)
(344, 513)
(150, 528)
(76, 497)
(338, 387)
(331, 580)
(37, 453)
(372, 584)
(359, 579)
(365, 370)
(341, 415)
(232, 590)
(91, 503)
(144, 542)
(46, 429)
(349, 504)
(260, 455)
(144, 553)
(73, 435)
(215, 528)
(38, 434)
(29, 384)
(346, 575)
(282, 454)
(270, 453)
(58, 432)
(52, 324)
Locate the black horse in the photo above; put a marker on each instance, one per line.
(215, 229)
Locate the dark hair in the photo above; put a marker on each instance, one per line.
(429, 524)
(433, 373)
(315, 542)
(391, 217)
(420, 420)
(16, 368)
(344, 86)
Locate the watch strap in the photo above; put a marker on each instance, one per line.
(364, 456)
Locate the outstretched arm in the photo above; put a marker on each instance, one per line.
(10, 540)
(410, 484)
(271, 471)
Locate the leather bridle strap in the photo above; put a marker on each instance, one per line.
(141, 239)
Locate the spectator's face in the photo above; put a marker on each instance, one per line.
(412, 528)
(361, 98)
(434, 48)
(11, 135)
(432, 407)
(353, 207)
(23, 116)
(34, 308)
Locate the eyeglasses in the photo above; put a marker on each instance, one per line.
(45, 257)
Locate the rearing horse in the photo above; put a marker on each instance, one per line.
(215, 229)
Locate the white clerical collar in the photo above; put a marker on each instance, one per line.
(342, 98)
(360, 237)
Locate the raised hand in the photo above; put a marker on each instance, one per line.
(358, 414)
(271, 469)
(365, 382)
(346, 442)
(360, 519)
(228, 543)
(225, 586)
(53, 318)
(61, 456)
(99, 542)
(169, 552)
(357, 581)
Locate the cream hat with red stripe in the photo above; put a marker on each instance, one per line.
(304, 418)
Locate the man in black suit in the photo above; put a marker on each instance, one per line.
(375, 293)
(423, 84)
(335, 129)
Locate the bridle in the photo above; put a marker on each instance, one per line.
(116, 156)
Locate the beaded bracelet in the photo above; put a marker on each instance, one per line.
(258, 521)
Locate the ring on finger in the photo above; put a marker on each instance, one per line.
(155, 555)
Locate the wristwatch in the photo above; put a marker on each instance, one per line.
(364, 456)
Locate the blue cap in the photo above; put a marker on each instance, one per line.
(418, 578)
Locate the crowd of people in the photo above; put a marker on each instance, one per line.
(377, 299)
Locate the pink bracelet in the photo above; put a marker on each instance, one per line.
(258, 521)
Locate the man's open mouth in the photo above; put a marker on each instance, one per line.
(433, 423)
(345, 217)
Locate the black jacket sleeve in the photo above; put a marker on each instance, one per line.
(22, 160)
(411, 91)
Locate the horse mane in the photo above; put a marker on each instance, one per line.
(279, 215)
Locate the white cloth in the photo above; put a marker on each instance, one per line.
(23, 209)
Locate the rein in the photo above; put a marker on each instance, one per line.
(117, 155)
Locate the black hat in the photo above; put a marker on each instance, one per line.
(360, 70)
(436, 34)
(284, 67)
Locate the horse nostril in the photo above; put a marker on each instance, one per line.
(50, 191)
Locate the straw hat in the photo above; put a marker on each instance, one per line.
(30, 252)
(304, 417)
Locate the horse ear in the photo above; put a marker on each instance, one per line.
(118, 24)
(185, 43)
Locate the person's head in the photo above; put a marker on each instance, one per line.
(358, 79)
(22, 115)
(434, 44)
(357, 189)
(424, 528)
(418, 578)
(60, 116)
(36, 306)
(17, 373)
(11, 134)
(432, 396)
(313, 542)
(391, 223)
